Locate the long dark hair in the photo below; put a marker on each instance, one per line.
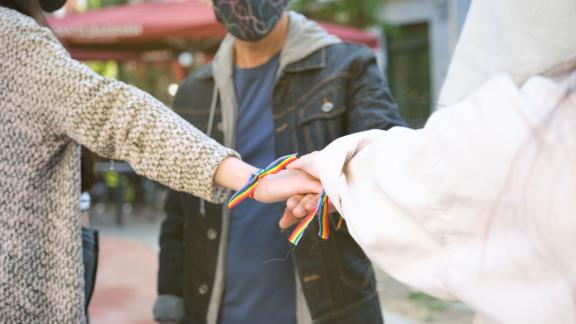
(29, 8)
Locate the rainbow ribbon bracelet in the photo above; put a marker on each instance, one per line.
(248, 190)
(323, 221)
(278, 165)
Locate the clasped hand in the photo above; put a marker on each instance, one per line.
(298, 186)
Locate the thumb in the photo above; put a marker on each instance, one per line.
(288, 219)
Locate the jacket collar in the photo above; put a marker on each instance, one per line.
(314, 61)
(205, 74)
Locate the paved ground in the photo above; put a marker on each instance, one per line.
(125, 287)
(125, 284)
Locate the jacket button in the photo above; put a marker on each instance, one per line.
(203, 289)
(211, 234)
(327, 107)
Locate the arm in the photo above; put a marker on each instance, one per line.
(119, 121)
(453, 212)
(169, 304)
(371, 105)
(424, 215)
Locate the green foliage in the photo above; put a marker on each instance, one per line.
(96, 4)
(105, 68)
(429, 301)
(357, 13)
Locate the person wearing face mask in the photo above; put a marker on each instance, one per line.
(279, 84)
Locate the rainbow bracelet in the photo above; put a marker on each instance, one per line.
(323, 221)
(321, 209)
(248, 190)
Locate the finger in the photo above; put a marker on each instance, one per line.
(285, 184)
(301, 209)
(313, 185)
(309, 202)
(331, 208)
(301, 163)
(294, 201)
(288, 219)
(305, 163)
(299, 212)
(306, 205)
(290, 183)
(298, 164)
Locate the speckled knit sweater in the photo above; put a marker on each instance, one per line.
(49, 104)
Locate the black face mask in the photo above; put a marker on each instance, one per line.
(51, 5)
(249, 20)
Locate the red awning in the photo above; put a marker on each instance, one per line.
(124, 27)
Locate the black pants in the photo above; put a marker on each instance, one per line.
(90, 256)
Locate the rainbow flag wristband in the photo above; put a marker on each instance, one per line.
(248, 190)
(323, 221)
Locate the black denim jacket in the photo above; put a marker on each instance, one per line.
(333, 92)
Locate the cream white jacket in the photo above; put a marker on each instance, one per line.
(522, 38)
(479, 205)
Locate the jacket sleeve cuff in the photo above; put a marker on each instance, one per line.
(331, 162)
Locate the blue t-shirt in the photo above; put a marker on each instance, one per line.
(259, 289)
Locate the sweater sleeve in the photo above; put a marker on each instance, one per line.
(121, 122)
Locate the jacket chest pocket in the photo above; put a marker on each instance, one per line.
(323, 119)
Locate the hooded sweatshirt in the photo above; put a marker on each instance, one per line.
(304, 37)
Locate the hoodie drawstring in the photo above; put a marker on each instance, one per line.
(202, 209)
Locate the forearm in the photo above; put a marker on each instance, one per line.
(119, 121)
(135, 127)
(157, 143)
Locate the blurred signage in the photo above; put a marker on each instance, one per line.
(100, 32)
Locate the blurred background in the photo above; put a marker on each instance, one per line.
(156, 44)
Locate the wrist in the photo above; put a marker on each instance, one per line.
(233, 173)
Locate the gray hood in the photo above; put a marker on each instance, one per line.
(304, 38)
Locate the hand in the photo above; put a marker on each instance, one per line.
(307, 164)
(285, 184)
(298, 207)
